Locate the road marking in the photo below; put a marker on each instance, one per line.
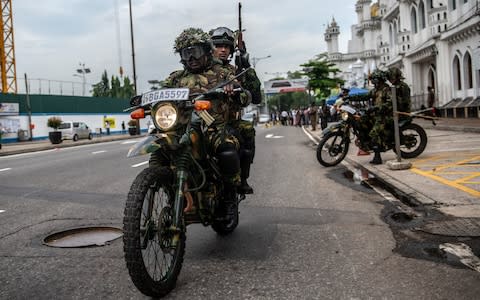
(6, 169)
(140, 164)
(97, 152)
(310, 136)
(464, 253)
(129, 142)
(2, 210)
(271, 136)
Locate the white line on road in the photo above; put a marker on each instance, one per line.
(6, 169)
(140, 164)
(129, 142)
(2, 210)
(97, 152)
(310, 136)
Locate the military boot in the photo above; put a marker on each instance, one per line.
(245, 163)
(229, 203)
(377, 159)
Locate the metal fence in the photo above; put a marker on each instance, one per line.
(42, 86)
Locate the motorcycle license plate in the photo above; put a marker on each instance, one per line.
(165, 95)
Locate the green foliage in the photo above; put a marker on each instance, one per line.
(54, 122)
(322, 75)
(113, 89)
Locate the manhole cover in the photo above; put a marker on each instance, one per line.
(457, 227)
(83, 237)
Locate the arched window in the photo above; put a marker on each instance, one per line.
(457, 80)
(421, 14)
(413, 20)
(429, 3)
(453, 4)
(468, 71)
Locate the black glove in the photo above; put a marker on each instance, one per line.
(243, 59)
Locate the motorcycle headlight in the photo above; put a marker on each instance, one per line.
(165, 116)
(344, 115)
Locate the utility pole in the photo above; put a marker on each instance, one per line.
(133, 48)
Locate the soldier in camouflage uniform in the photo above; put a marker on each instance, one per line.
(223, 40)
(402, 90)
(383, 126)
(201, 73)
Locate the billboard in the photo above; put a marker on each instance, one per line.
(285, 86)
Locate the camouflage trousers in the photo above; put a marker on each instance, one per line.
(224, 137)
(245, 133)
(382, 131)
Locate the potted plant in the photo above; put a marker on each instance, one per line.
(54, 136)
(132, 127)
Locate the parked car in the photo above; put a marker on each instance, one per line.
(75, 131)
(263, 118)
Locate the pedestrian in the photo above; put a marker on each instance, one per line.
(431, 100)
(107, 126)
(313, 113)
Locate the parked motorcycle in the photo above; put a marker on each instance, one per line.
(181, 186)
(336, 139)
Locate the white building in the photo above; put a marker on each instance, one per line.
(434, 42)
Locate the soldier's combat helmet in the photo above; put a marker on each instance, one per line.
(192, 37)
(378, 76)
(223, 36)
(395, 73)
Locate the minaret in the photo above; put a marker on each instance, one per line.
(331, 37)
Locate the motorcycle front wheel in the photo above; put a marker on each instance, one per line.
(413, 141)
(332, 149)
(153, 250)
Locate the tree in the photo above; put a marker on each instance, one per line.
(115, 89)
(102, 89)
(321, 74)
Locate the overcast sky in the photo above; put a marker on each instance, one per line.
(53, 36)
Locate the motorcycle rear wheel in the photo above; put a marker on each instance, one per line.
(332, 149)
(414, 141)
(153, 252)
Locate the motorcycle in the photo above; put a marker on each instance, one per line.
(336, 139)
(181, 186)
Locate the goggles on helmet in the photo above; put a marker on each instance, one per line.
(196, 52)
(222, 32)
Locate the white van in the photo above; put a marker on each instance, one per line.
(75, 130)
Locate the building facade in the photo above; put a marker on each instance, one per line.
(436, 44)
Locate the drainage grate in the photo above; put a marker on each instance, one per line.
(83, 237)
(457, 227)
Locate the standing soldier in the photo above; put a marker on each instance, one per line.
(201, 73)
(223, 40)
(402, 90)
(383, 114)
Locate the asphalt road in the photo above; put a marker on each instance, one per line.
(307, 233)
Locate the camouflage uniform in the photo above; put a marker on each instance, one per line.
(245, 129)
(220, 136)
(402, 90)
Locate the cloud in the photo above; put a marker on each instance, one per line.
(53, 36)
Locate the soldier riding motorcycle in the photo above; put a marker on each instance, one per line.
(336, 139)
(185, 182)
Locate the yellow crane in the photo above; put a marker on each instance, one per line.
(7, 49)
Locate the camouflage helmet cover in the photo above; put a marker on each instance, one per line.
(395, 73)
(378, 76)
(190, 37)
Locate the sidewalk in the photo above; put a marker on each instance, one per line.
(32, 146)
(446, 176)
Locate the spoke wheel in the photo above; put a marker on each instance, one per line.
(153, 248)
(332, 149)
(413, 141)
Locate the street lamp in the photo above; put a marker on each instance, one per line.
(83, 71)
(255, 60)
